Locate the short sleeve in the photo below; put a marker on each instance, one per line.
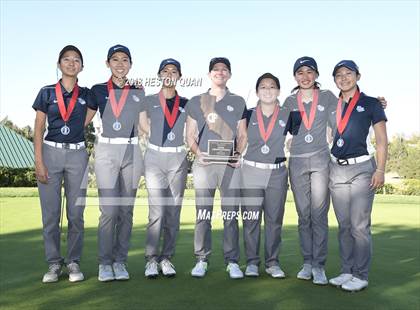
(378, 113)
(41, 101)
(92, 101)
(332, 108)
(191, 107)
(244, 112)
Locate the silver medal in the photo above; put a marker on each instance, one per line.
(65, 130)
(116, 126)
(265, 149)
(171, 136)
(309, 138)
(340, 142)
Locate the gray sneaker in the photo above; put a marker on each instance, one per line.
(305, 273)
(252, 271)
(106, 273)
(75, 275)
(319, 277)
(120, 271)
(275, 272)
(167, 268)
(54, 271)
(151, 271)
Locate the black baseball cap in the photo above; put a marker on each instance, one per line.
(268, 76)
(217, 60)
(349, 64)
(170, 61)
(305, 61)
(118, 48)
(70, 48)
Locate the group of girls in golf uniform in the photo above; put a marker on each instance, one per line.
(329, 152)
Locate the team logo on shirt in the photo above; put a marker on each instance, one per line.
(135, 98)
(212, 117)
(229, 108)
(81, 101)
(282, 123)
(254, 123)
(321, 107)
(106, 97)
(55, 101)
(360, 109)
(181, 109)
(156, 106)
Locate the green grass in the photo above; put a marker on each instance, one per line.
(394, 281)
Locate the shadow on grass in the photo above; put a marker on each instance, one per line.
(394, 278)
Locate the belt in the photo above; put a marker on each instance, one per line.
(68, 146)
(263, 165)
(133, 140)
(351, 161)
(165, 149)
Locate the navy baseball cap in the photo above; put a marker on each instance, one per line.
(268, 76)
(70, 48)
(118, 48)
(349, 64)
(305, 61)
(170, 61)
(217, 60)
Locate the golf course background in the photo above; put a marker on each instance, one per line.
(394, 281)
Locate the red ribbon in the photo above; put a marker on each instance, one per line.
(170, 117)
(308, 122)
(342, 122)
(65, 113)
(265, 135)
(117, 107)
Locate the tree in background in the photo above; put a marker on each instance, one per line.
(404, 156)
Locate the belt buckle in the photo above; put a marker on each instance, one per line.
(343, 162)
(66, 146)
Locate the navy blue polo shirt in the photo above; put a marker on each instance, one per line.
(129, 117)
(327, 102)
(231, 108)
(159, 127)
(367, 112)
(275, 142)
(46, 101)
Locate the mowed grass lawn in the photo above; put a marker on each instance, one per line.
(394, 281)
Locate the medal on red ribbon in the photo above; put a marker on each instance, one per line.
(265, 134)
(308, 121)
(117, 107)
(169, 116)
(65, 113)
(343, 121)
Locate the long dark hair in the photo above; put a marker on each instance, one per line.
(316, 85)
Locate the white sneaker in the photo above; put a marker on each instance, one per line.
(305, 273)
(200, 269)
(341, 279)
(106, 273)
(75, 275)
(252, 271)
(168, 270)
(120, 271)
(234, 271)
(275, 272)
(151, 270)
(319, 276)
(54, 271)
(354, 285)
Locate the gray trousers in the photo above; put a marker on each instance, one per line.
(70, 166)
(118, 168)
(206, 180)
(309, 178)
(263, 191)
(352, 201)
(166, 175)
